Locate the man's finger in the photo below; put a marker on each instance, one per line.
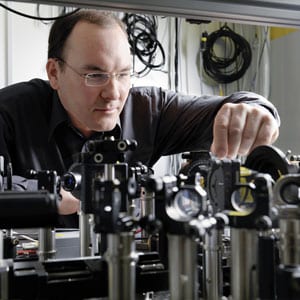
(236, 129)
(250, 132)
(266, 135)
(220, 131)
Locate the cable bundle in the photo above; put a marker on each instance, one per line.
(235, 64)
(143, 40)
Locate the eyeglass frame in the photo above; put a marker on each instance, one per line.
(88, 76)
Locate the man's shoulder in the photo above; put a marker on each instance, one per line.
(144, 91)
(32, 90)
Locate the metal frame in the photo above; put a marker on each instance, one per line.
(263, 12)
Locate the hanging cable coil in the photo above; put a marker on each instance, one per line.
(142, 36)
(231, 66)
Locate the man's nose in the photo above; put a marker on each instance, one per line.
(111, 90)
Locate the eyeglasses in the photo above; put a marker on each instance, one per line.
(100, 78)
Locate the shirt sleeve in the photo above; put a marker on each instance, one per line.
(6, 135)
(255, 99)
(186, 122)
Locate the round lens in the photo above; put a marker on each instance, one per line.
(186, 204)
(242, 200)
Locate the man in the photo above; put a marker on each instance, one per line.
(43, 124)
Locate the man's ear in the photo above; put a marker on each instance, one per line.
(52, 72)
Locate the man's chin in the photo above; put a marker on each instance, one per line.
(106, 127)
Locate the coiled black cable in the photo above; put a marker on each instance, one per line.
(234, 65)
(142, 36)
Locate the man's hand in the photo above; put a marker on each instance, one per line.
(239, 128)
(68, 204)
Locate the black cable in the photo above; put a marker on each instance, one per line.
(35, 17)
(142, 37)
(62, 12)
(234, 65)
(176, 55)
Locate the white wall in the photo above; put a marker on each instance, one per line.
(285, 92)
(24, 47)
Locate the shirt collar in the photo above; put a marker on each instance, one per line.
(59, 116)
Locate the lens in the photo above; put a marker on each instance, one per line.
(96, 79)
(242, 200)
(187, 201)
(71, 181)
(187, 204)
(290, 193)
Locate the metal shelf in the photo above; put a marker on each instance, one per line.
(268, 12)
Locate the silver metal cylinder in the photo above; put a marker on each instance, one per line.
(109, 171)
(4, 279)
(244, 258)
(85, 234)
(289, 242)
(121, 258)
(183, 277)
(1, 244)
(47, 248)
(147, 207)
(147, 202)
(213, 265)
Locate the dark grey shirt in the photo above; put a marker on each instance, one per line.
(36, 133)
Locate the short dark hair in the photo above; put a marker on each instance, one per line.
(62, 27)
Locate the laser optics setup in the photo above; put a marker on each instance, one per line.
(219, 229)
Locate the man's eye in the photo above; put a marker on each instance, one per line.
(124, 75)
(97, 76)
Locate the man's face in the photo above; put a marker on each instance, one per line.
(91, 49)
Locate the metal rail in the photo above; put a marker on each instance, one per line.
(264, 12)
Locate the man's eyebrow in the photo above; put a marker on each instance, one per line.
(99, 69)
(93, 68)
